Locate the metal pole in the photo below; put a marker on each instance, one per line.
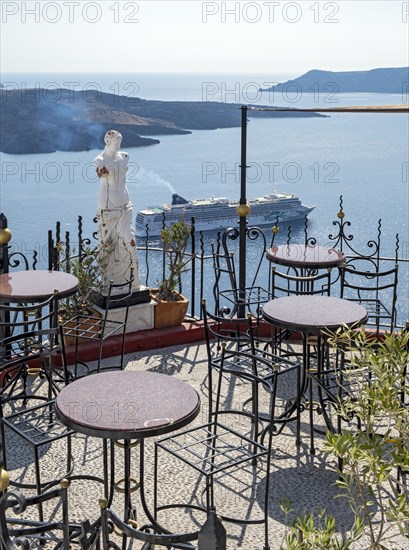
(242, 210)
(5, 237)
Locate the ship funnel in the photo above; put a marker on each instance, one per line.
(177, 199)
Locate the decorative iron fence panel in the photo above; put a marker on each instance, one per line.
(199, 280)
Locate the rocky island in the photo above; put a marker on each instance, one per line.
(44, 121)
(392, 80)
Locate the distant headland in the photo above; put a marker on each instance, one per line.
(44, 121)
(394, 80)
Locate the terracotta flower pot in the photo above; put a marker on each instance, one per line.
(169, 314)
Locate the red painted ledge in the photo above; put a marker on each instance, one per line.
(144, 340)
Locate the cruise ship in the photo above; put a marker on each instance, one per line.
(219, 213)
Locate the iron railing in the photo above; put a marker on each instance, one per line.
(198, 282)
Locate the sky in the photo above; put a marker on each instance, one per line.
(203, 37)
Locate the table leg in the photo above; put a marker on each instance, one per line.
(130, 515)
(130, 511)
(311, 401)
(148, 514)
(142, 484)
(105, 468)
(302, 386)
(127, 493)
(123, 485)
(322, 357)
(324, 407)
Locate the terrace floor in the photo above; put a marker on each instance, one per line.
(309, 482)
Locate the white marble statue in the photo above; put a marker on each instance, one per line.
(117, 246)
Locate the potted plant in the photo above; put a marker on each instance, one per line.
(171, 306)
(86, 267)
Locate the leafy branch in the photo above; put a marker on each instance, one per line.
(174, 239)
(373, 445)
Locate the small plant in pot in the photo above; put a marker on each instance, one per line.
(87, 270)
(171, 306)
(86, 267)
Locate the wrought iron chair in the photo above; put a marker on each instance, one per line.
(289, 284)
(376, 290)
(215, 447)
(29, 348)
(98, 329)
(251, 298)
(20, 532)
(37, 426)
(29, 343)
(238, 334)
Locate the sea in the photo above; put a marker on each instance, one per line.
(362, 157)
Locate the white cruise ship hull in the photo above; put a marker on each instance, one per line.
(219, 214)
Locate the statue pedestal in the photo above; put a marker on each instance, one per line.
(140, 316)
(141, 296)
(141, 309)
